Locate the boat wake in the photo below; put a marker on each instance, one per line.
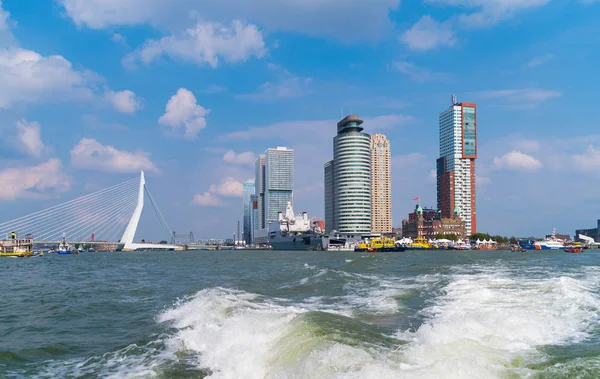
(477, 322)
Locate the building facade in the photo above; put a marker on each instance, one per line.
(348, 177)
(249, 190)
(381, 185)
(259, 190)
(428, 223)
(456, 189)
(329, 197)
(254, 223)
(279, 182)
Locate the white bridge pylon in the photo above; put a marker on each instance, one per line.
(129, 234)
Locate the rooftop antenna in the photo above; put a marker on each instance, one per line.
(342, 114)
(453, 99)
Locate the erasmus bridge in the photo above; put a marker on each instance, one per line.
(108, 216)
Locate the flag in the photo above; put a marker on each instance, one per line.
(417, 198)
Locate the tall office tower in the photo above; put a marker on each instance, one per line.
(253, 216)
(351, 178)
(246, 202)
(329, 197)
(456, 165)
(259, 183)
(279, 181)
(381, 185)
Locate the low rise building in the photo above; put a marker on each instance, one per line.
(427, 223)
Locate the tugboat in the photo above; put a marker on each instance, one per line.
(65, 248)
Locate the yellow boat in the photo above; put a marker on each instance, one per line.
(419, 244)
(14, 247)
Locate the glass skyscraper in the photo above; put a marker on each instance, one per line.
(456, 165)
(279, 181)
(247, 204)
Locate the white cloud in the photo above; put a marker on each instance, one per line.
(228, 187)
(28, 77)
(33, 180)
(539, 60)
(329, 18)
(4, 15)
(118, 38)
(29, 138)
(182, 110)
(428, 34)
(520, 98)
(206, 43)
(207, 199)
(419, 74)
(515, 160)
(588, 161)
(6, 37)
(124, 101)
(91, 154)
(287, 86)
(246, 158)
(489, 12)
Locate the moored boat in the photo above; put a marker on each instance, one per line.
(15, 247)
(294, 232)
(64, 248)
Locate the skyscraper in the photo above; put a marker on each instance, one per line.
(348, 195)
(329, 197)
(456, 165)
(247, 204)
(259, 182)
(381, 185)
(279, 181)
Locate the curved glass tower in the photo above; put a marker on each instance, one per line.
(351, 177)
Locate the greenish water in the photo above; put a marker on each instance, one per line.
(269, 314)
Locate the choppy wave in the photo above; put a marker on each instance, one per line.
(479, 321)
(482, 325)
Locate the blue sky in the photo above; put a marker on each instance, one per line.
(92, 91)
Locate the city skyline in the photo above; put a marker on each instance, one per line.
(95, 92)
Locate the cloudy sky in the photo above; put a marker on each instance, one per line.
(92, 91)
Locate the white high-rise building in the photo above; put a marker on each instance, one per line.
(456, 165)
(348, 179)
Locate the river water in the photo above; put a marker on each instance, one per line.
(269, 314)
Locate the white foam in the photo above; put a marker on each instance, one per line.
(485, 324)
(491, 323)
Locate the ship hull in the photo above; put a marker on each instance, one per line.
(305, 243)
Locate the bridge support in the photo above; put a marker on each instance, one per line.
(129, 234)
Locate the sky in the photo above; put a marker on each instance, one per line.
(191, 91)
